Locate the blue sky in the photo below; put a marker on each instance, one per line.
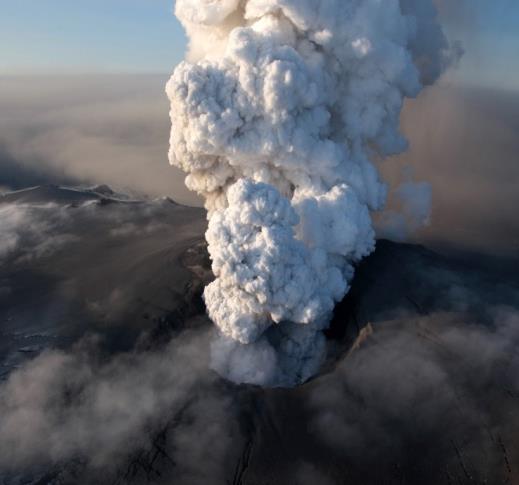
(89, 35)
(489, 31)
(49, 36)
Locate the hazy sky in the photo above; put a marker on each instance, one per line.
(52, 36)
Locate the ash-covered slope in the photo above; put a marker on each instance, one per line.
(78, 261)
(420, 385)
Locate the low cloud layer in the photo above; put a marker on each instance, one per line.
(94, 129)
(75, 130)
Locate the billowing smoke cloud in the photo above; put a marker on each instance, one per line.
(277, 116)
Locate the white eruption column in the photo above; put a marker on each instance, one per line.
(277, 116)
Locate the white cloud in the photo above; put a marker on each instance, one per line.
(277, 116)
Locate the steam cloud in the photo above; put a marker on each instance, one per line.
(278, 115)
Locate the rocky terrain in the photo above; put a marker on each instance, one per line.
(104, 361)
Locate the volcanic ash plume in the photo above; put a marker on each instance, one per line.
(277, 116)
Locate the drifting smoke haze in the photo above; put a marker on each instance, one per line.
(89, 129)
(278, 115)
(80, 278)
(464, 144)
(428, 391)
(68, 404)
(461, 141)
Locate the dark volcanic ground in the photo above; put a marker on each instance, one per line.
(104, 361)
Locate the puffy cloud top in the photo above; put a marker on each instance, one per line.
(276, 118)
